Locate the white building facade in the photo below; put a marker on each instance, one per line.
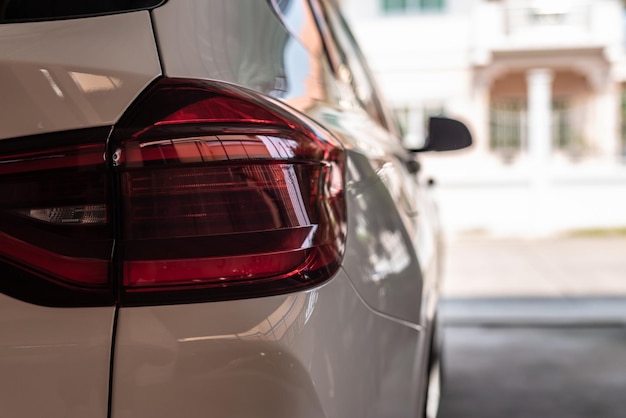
(541, 85)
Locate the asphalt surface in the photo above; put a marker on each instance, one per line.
(535, 328)
(539, 371)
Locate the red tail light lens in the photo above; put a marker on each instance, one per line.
(209, 192)
(53, 212)
(224, 194)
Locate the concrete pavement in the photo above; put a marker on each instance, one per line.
(551, 267)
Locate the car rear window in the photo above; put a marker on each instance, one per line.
(13, 11)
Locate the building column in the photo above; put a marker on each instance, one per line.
(479, 113)
(539, 149)
(539, 115)
(603, 129)
(608, 129)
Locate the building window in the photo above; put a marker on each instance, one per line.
(507, 128)
(567, 122)
(404, 6)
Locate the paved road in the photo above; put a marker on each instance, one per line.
(519, 372)
(535, 328)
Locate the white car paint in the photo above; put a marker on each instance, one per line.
(281, 356)
(75, 73)
(54, 76)
(357, 346)
(54, 362)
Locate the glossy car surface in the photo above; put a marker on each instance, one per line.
(208, 212)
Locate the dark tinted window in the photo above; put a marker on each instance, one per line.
(36, 10)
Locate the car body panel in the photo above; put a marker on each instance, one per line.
(55, 76)
(190, 50)
(354, 347)
(76, 73)
(54, 362)
(380, 257)
(282, 356)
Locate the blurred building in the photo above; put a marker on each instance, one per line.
(541, 85)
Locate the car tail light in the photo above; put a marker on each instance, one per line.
(202, 191)
(54, 219)
(224, 194)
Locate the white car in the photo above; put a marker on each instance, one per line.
(207, 211)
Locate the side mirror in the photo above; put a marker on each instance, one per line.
(445, 135)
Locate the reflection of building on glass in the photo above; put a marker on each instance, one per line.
(296, 15)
